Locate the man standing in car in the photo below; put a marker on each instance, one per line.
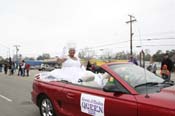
(167, 61)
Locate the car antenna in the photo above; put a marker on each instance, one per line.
(143, 56)
(146, 96)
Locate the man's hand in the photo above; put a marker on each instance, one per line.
(80, 80)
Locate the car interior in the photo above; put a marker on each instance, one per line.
(96, 81)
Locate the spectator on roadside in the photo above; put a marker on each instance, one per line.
(167, 61)
(0, 67)
(165, 73)
(94, 67)
(27, 69)
(23, 68)
(133, 60)
(5, 68)
(12, 68)
(19, 69)
(89, 66)
(152, 66)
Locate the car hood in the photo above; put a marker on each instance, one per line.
(169, 90)
(165, 98)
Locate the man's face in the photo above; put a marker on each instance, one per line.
(71, 52)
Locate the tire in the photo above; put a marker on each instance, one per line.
(46, 107)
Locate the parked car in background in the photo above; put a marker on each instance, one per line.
(46, 67)
(128, 90)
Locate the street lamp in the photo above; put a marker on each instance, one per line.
(142, 57)
(17, 50)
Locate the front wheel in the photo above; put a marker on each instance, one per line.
(46, 107)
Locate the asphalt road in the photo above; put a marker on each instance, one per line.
(15, 97)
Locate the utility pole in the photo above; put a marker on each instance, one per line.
(17, 49)
(132, 19)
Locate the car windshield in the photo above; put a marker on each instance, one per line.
(135, 75)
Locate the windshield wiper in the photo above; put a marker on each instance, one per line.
(169, 83)
(148, 83)
(65, 81)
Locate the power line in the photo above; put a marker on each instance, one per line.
(156, 39)
(159, 39)
(103, 45)
(161, 45)
(115, 43)
(159, 33)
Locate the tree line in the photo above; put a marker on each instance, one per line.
(85, 54)
(125, 55)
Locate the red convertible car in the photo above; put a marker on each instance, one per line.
(127, 90)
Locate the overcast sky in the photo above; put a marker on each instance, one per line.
(45, 26)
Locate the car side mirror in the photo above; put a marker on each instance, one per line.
(113, 88)
(110, 88)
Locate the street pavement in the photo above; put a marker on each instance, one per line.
(15, 95)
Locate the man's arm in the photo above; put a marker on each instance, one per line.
(61, 60)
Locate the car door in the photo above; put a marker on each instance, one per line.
(71, 99)
(85, 101)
